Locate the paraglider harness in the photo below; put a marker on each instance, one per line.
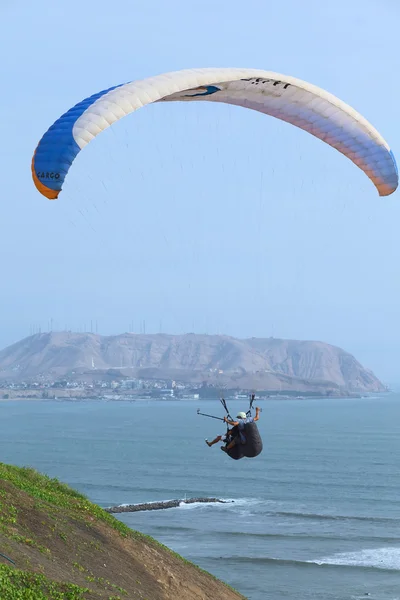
(234, 432)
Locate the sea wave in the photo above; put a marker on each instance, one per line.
(305, 536)
(386, 558)
(244, 535)
(333, 517)
(382, 559)
(270, 508)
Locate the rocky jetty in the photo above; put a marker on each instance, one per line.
(162, 504)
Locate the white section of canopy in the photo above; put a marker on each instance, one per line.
(287, 98)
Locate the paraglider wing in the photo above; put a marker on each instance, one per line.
(287, 98)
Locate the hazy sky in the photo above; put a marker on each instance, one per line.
(201, 217)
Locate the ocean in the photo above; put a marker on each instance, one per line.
(315, 516)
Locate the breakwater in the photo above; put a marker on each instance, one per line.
(162, 504)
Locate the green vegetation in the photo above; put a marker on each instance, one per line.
(23, 585)
(59, 494)
(56, 536)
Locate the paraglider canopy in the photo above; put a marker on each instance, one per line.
(287, 98)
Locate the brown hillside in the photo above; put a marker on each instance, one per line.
(56, 538)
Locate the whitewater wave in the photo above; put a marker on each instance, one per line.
(195, 505)
(226, 504)
(386, 558)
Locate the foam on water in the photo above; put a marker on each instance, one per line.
(245, 501)
(194, 505)
(377, 558)
(228, 503)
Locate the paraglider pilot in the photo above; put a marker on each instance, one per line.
(236, 434)
(238, 427)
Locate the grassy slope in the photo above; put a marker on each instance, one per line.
(65, 547)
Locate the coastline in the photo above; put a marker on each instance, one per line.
(60, 397)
